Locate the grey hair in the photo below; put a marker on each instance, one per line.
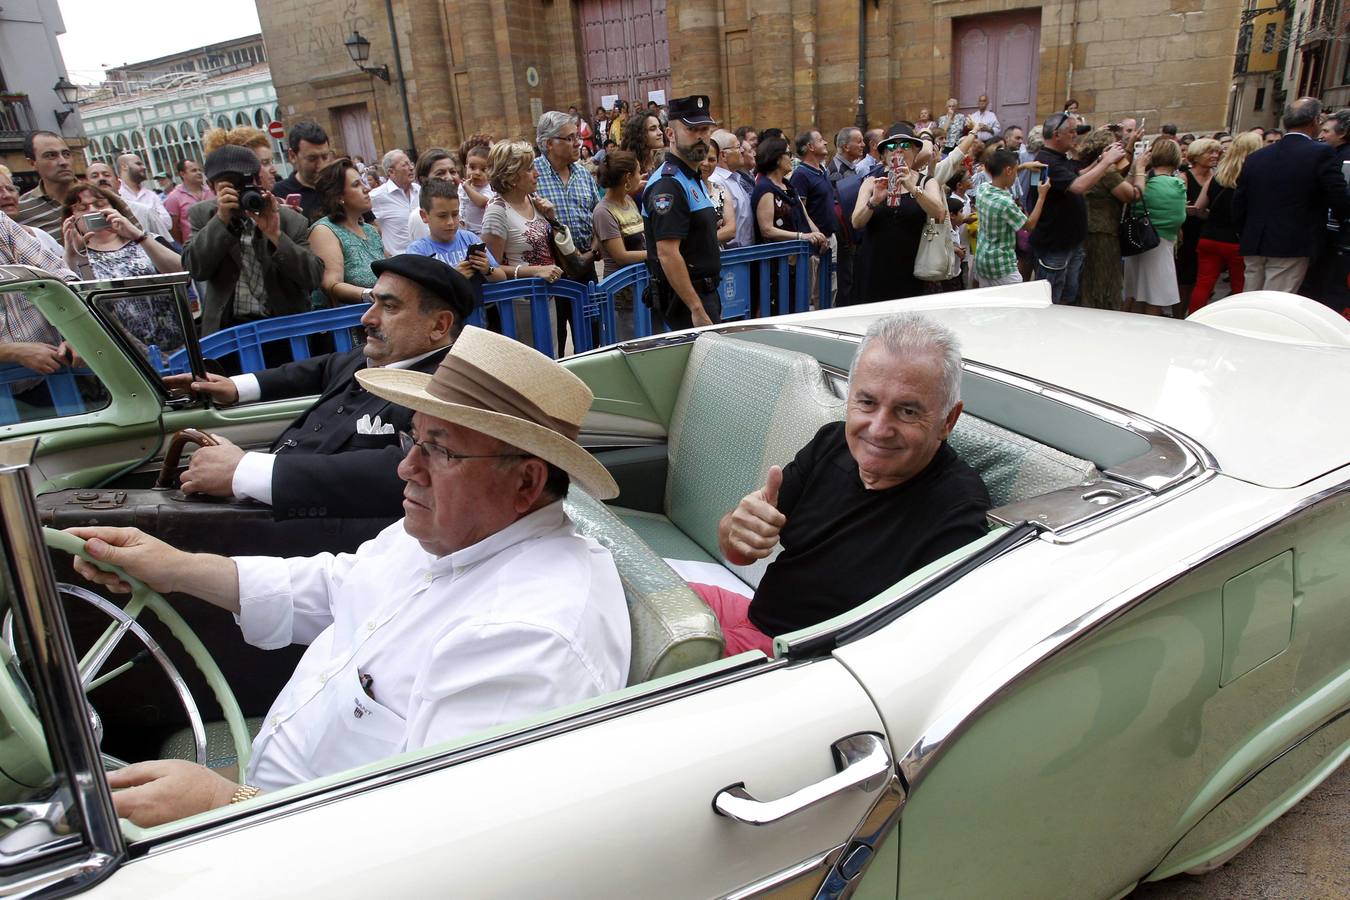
(1302, 112)
(913, 334)
(550, 123)
(387, 161)
(1340, 121)
(845, 135)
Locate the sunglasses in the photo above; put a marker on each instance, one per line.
(888, 146)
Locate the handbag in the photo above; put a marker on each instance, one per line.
(568, 257)
(936, 259)
(1137, 234)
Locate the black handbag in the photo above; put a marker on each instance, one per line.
(1137, 234)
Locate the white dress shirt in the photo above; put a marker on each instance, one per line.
(253, 473)
(148, 199)
(745, 226)
(391, 206)
(986, 123)
(407, 649)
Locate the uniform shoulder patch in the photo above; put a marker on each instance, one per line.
(662, 203)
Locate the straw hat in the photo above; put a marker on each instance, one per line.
(500, 387)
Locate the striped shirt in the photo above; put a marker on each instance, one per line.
(574, 201)
(40, 211)
(1000, 217)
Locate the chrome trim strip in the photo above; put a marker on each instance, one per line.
(952, 721)
(786, 877)
(875, 827)
(261, 811)
(76, 875)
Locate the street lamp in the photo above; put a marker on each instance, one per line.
(358, 47)
(67, 93)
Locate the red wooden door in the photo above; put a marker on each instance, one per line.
(998, 55)
(624, 42)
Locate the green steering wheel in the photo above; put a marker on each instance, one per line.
(23, 749)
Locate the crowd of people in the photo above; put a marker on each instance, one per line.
(1109, 216)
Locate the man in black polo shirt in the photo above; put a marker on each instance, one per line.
(866, 502)
(309, 153)
(1057, 242)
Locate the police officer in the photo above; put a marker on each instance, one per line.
(681, 224)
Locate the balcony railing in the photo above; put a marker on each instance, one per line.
(16, 119)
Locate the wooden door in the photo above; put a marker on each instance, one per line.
(354, 126)
(626, 50)
(998, 55)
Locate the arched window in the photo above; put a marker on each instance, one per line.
(203, 126)
(109, 148)
(137, 141)
(260, 118)
(223, 122)
(276, 114)
(241, 118)
(121, 142)
(191, 147)
(159, 157)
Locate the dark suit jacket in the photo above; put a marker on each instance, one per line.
(290, 270)
(1283, 194)
(323, 467)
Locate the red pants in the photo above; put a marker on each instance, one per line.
(733, 614)
(1212, 258)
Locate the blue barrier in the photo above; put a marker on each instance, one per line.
(65, 392)
(593, 312)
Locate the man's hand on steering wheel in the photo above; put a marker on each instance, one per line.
(165, 790)
(211, 469)
(140, 556)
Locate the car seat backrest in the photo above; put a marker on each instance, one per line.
(672, 628)
(741, 408)
(1013, 467)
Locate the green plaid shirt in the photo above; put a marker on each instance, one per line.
(996, 245)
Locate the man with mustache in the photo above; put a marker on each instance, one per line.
(339, 459)
(680, 220)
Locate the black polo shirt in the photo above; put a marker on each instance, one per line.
(676, 206)
(1063, 223)
(843, 544)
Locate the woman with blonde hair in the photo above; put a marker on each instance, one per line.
(1217, 249)
(1202, 156)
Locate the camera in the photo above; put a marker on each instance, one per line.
(252, 198)
(95, 221)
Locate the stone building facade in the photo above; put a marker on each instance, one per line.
(493, 65)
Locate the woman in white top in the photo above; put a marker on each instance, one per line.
(515, 225)
(721, 198)
(435, 164)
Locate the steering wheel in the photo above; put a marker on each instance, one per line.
(169, 472)
(24, 749)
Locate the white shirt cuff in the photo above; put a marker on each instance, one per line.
(247, 386)
(266, 612)
(253, 477)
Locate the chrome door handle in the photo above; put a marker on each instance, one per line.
(863, 763)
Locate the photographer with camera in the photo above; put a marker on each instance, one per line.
(250, 249)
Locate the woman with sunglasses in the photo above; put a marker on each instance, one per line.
(893, 207)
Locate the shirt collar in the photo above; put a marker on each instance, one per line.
(410, 361)
(536, 524)
(721, 172)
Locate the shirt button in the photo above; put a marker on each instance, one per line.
(318, 426)
(428, 578)
(340, 408)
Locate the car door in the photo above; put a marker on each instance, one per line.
(619, 803)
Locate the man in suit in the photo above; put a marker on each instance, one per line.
(254, 264)
(1282, 199)
(340, 458)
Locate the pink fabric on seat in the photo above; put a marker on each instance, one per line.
(733, 613)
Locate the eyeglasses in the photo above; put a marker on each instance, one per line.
(442, 455)
(570, 138)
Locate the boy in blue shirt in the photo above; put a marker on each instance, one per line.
(448, 243)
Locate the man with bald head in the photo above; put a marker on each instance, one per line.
(133, 175)
(102, 174)
(1282, 198)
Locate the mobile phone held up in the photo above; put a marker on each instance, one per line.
(476, 248)
(1034, 178)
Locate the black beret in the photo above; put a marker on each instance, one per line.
(230, 158)
(434, 275)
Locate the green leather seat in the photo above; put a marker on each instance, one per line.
(673, 629)
(743, 407)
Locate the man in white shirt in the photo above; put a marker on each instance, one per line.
(394, 200)
(102, 174)
(986, 123)
(730, 160)
(339, 458)
(482, 606)
(131, 171)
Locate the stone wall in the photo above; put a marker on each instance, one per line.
(791, 63)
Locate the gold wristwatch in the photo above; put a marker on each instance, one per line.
(245, 792)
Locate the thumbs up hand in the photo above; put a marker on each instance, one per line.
(750, 531)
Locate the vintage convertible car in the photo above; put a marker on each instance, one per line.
(1143, 663)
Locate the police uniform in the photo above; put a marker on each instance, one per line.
(676, 206)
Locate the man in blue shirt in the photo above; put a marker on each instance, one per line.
(813, 185)
(564, 182)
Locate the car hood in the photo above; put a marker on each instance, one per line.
(1271, 413)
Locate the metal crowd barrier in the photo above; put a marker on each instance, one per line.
(745, 271)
